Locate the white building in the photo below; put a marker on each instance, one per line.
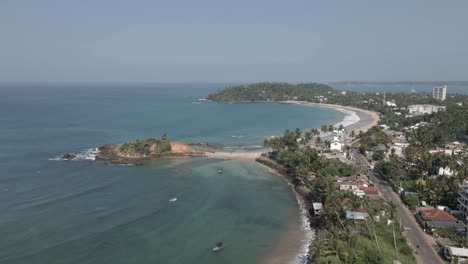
(462, 199)
(359, 193)
(416, 110)
(439, 93)
(446, 171)
(336, 145)
(318, 208)
(451, 252)
(390, 103)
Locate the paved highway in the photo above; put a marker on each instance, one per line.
(427, 251)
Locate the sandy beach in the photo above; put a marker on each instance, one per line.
(367, 119)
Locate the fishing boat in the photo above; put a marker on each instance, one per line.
(218, 247)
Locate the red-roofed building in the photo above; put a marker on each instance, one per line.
(370, 191)
(437, 215)
(436, 218)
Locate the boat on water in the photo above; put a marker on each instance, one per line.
(220, 171)
(173, 199)
(218, 247)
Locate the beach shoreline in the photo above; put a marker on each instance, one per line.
(367, 119)
(293, 246)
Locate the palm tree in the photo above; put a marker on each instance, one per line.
(318, 140)
(421, 184)
(324, 128)
(434, 197)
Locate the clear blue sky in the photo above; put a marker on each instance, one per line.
(233, 41)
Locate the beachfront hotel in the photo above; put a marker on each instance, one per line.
(439, 93)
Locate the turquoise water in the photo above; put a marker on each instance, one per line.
(84, 211)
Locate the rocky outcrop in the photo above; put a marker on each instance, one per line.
(112, 154)
(205, 145)
(68, 156)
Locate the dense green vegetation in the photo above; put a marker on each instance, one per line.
(271, 92)
(448, 125)
(339, 240)
(150, 146)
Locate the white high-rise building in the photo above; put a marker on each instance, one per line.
(439, 93)
(463, 198)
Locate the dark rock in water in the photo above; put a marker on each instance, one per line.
(69, 156)
(205, 145)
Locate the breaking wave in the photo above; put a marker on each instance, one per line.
(87, 154)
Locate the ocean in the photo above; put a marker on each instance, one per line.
(86, 211)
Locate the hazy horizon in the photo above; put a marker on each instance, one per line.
(239, 42)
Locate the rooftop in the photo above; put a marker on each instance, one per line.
(437, 215)
(317, 206)
(455, 251)
(370, 190)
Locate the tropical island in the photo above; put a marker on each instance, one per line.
(141, 150)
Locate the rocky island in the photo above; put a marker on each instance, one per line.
(141, 151)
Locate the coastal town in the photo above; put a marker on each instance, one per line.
(388, 184)
(392, 184)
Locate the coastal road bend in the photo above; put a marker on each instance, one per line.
(427, 251)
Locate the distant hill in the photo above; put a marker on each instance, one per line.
(268, 91)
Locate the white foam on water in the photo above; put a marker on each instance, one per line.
(350, 118)
(87, 154)
(304, 252)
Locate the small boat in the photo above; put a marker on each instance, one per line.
(173, 199)
(220, 171)
(218, 247)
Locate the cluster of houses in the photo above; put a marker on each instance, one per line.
(359, 186)
(396, 146)
(399, 143)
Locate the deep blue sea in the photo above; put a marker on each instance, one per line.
(85, 211)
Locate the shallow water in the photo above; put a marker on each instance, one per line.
(84, 211)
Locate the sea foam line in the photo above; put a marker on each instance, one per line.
(87, 154)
